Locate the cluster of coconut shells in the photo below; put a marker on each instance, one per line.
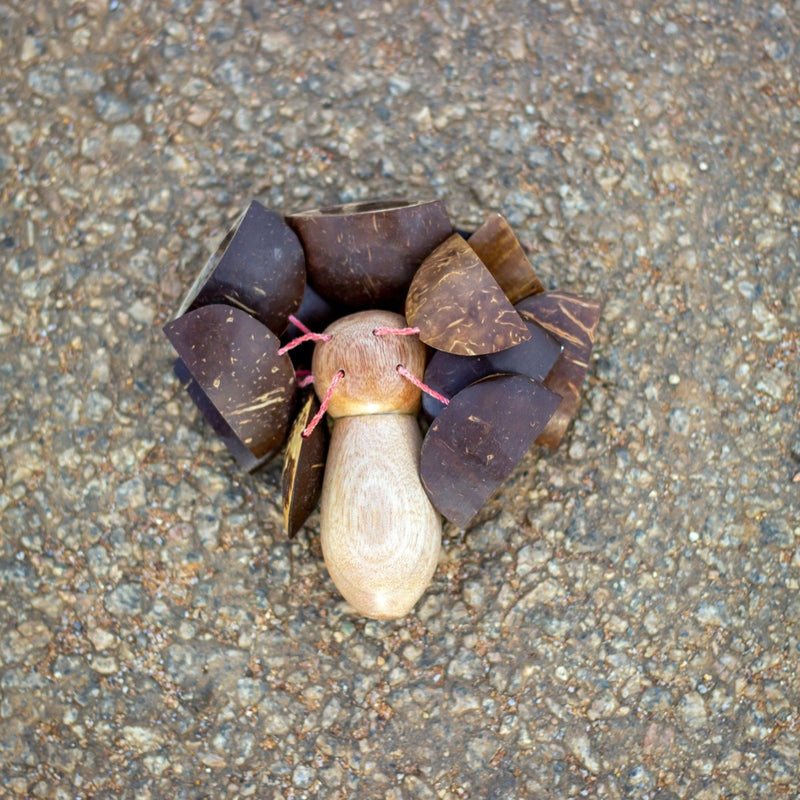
(510, 356)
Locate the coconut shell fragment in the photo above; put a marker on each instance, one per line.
(458, 306)
(475, 444)
(572, 320)
(258, 267)
(246, 460)
(303, 468)
(448, 374)
(234, 360)
(498, 248)
(364, 254)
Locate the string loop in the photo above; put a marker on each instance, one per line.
(309, 429)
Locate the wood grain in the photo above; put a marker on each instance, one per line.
(371, 384)
(380, 534)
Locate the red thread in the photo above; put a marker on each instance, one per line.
(298, 324)
(309, 429)
(306, 337)
(395, 331)
(420, 385)
(304, 378)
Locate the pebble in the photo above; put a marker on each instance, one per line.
(580, 747)
(127, 134)
(102, 639)
(125, 600)
(142, 739)
(105, 665)
(303, 776)
(692, 710)
(250, 691)
(111, 107)
(79, 80)
(46, 81)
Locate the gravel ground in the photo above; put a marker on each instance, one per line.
(623, 619)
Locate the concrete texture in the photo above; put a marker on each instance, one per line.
(622, 621)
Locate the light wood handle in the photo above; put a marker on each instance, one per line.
(380, 534)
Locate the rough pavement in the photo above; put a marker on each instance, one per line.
(622, 621)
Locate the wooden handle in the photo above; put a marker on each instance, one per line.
(380, 534)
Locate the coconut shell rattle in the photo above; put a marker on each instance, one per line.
(392, 317)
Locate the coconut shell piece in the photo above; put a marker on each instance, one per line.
(259, 267)
(234, 360)
(498, 248)
(458, 306)
(246, 460)
(572, 320)
(475, 444)
(364, 254)
(449, 374)
(303, 468)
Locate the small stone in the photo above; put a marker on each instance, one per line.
(105, 665)
(243, 120)
(480, 749)
(142, 312)
(533, 556)
(655, 700)
(127, 134)
(184, 662)
(423, 118)
(303, 776)
(131, 494)
(692, 710)
(19, 133)
(675, 173)
(466, 665)
(678, 421)
(603, 706)
(250, 691)
(539, 157)
(82, 81)
(156, 764)
(638, 779)
(111, 107)
(775, 384)
(709, 613)
(474, 593)
(31, 47)
(581, 749)
(102, 639)
(97, 406)
(125, 600)
(45, 81)
(275, 41)
(141, 739)
(213, 760)
(399, 85)
(198, 115)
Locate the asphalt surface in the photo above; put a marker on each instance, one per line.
(621, 622)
